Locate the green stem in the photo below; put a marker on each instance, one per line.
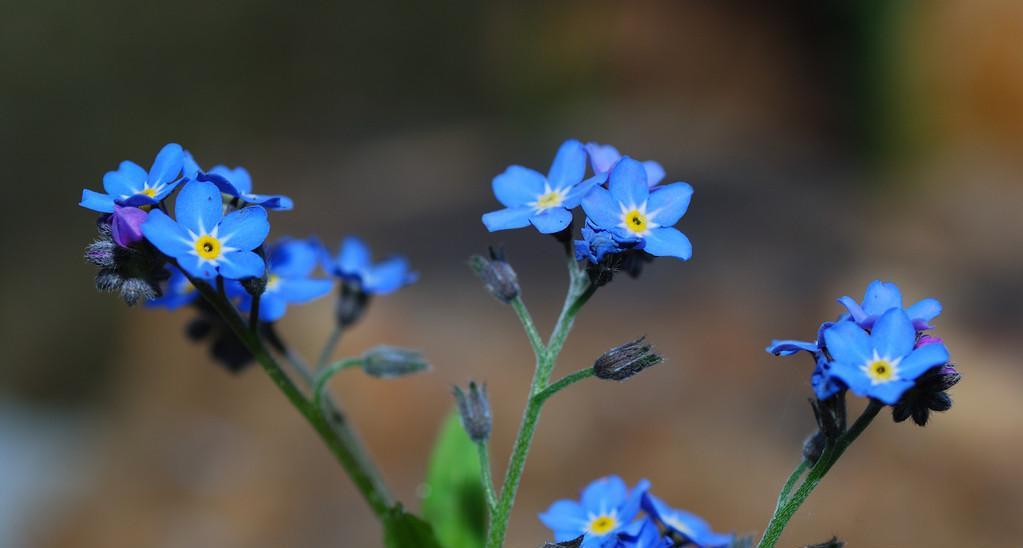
(328, 347)
(326, 374)
(527, 324)
(830, 455)
(485, 477)
(579, 291)
(790, 483)
(343, 444)
(562, 383)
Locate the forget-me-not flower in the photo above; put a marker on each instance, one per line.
(597, 243)
(604, 157)
(546, 202)
(178, 292)
(643, 533)
(205, 241)
(605, 508)
(692, 527)
(236, 183)
(884, 363)
(354, 263)
(882, 297)
(632, 210)
(132, 185)
(290, 264)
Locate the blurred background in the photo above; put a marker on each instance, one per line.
(829, 143)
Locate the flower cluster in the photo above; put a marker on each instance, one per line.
(215, 234)
(610, 515)
(878, 349)
(627, 211)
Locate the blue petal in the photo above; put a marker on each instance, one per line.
(790, 347)
(303, 290)
(601, 208)
(190, 168)
(691, 526)
(193, 264)
(508, 218)
(889, 392)
(222, 183)
(238, 265)
(566, 517)
(848, 343)
(922, 359)
(136, 200)
(119, 184)
(168, 236)
(199, 207)
(166, 190)
(275, 202)
(893, 335)
(669, 203)
(518, 186)
(926, 310)
(97, 202)
(668, 242)
(293, 258)
(354, 257)
(604, 494)
(857, 313)
(602, 541)
(167, 165)
(575, 195)
(881, 297)
(238, 177)
(388, 276)
(628, 183)
(602, 157)
(654, 172)
(631, 506)
(552, 220)
(271, 307)
(244, 229)
(569, 165)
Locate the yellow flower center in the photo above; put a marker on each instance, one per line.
(272, 282)
(207, 247)
(549, 200)
(602, 525)
(880, 371)
(151, 192)
(636, 221)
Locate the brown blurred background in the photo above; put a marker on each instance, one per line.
(829, 143)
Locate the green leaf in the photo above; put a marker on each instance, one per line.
(404, 530)
(455, 503)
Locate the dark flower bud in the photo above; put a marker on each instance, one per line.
(497, 275)
(830, 415)
(126, 225)
(474, 409)
(813, 446)
(832, 543)
(225, 347)
(387, 362)
(927, 394)
(574, 543)
(351, 303)
(624, 361)
(257, 286)
(133, 272)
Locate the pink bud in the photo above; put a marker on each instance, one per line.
(126, 225)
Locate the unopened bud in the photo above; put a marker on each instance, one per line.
(387, 362)
(574, 543)
(624, 361)
(497, 275)
(834, 542)
(474, 409)
(830, 415)
(813, 447)
(126, 225)
(351, 303)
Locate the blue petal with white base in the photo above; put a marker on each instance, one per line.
(692, 527)
(353, 263)
(881, 297)
(131, 185)
(605, 507)
(235, 182)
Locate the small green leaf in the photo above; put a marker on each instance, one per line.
(404, 530)
(455, 503)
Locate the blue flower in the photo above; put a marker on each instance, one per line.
(824, 385)
(204, 241)
(177, 293)
(545, 202)
(884, 363)
(604, 157)
(605, 508)
(597, 243)
(632, 210)
(290, 264)
(353, 263)
(882, 297)
(693, 528)
(131, 185)
(236, 183)
(643, 533)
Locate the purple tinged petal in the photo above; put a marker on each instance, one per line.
(238, 265)
(848, 344)
(922, 359)
(668, 242)
(551, 220)
(893, 335)
(602, 157)
(601, 208)
(881, 297)
(518, 186)
(654, 172)
(925, 310)
(628, 183)
(604, 494)
(569, 165)
(168, 236)
(126, 225)
(669, 203)
(199, 207)
(167, 165)
(95, 201)
(245, 228)
(508, 218)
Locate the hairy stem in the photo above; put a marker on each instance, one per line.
(485, 477)
(329, 347)
(328, 372)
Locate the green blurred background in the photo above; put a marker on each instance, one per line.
(829, 143)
